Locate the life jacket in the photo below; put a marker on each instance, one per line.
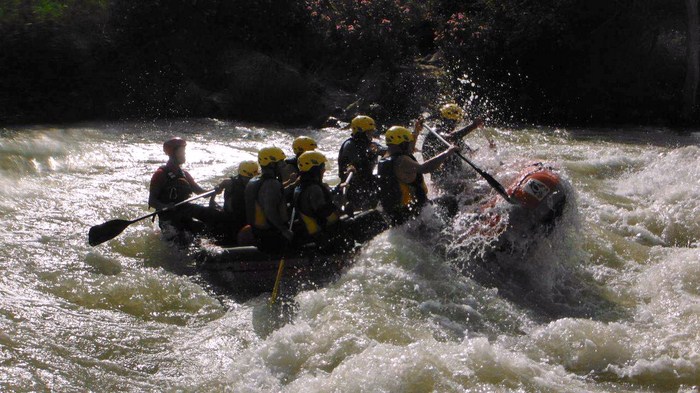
(400, 200)
(177, 188)
(315, 221)
(254, 212)
(364, 162)
(234, 196)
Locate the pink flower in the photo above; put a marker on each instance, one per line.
(351, 28)
(385, 22)
(460, 15)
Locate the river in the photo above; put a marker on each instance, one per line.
(615, 306)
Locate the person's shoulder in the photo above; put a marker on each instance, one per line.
(160, 173)
(271, 183)
(316, 187)
(315, 192)
(403, 159)
(348, 144)
(226, 182)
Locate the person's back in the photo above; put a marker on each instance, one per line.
(233, 216)
(401, 185)
(266, 209)
(234, 189)
(359, 154)
(314, 202)
(399, 197)
(234, 195)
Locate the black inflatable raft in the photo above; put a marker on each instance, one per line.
(249, 271)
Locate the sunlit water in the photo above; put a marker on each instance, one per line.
(611, 301)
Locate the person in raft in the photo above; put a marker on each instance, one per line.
(266, 208)
(402, 189)
(171, 184)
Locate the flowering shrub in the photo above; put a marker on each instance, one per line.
(386, 29)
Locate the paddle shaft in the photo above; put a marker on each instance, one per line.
(99, 234)
(203, 195)
(489, 179)
(280, 268)
(347, 183)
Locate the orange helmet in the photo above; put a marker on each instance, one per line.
(172, 144)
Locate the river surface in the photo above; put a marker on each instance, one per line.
(613, 304)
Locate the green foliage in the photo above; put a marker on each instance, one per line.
(47, 9)
(537, 60)
(15, 12)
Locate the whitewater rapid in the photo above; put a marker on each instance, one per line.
(611, 302)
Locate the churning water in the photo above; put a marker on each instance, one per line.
(610, 301)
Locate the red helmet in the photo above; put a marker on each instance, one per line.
(172, 144)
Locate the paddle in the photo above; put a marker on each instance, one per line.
(280, 268)
(347, 206)
(347, 183)
(99, 234)
(489, 179)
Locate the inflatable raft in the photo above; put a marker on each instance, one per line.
(249, 271)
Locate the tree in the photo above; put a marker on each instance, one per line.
(690, 90)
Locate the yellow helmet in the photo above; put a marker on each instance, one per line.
(451, 111)
(270, 155)
(362, 124)
(397, 135)
(310, 159)
(248, 168)
(303, 144)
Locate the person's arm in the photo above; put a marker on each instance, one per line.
(218, 190)
(353, 158)
(417, 128)
(406, 169)
(154, 190)
(292, 180)
(379, 150)
(433, 163)
(195, 187)
(272, 202)
(464, 131)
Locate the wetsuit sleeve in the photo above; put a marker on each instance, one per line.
(434, 163)
(464, 131)
(352, 154)
(158, 181)
(195, 187)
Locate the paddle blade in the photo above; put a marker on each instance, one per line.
(107, 231)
